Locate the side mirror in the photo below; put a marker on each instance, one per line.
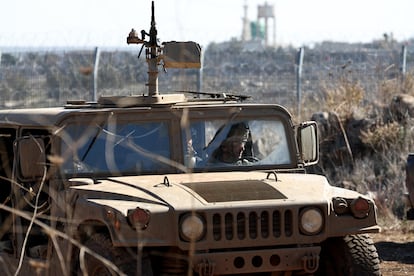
(32, 157)
(308, 142)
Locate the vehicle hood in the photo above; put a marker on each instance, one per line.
(203, 190)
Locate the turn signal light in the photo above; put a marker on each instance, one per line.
(360, 207)
(139, 218)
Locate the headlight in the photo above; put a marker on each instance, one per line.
(192, 227)
(311, 221)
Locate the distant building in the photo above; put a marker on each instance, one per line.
(256, 30)
(246, 30)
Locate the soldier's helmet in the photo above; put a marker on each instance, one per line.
(238, 132)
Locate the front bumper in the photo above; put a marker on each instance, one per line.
(285, 259)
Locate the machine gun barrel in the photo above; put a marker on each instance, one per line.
(153, 29)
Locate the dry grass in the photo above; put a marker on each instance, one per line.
(343, 98)
(384, 136)
(381, 173)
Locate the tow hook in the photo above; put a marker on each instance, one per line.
(310, 262)
(206, 268)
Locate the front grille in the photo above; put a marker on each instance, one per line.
(252, 225)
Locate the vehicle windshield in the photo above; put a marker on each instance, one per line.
(111, 147)
(217, 143)
(115, 147)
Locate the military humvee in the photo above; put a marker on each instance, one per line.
(168, 184)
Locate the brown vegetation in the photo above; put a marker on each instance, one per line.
(364, 143)
(364, 146)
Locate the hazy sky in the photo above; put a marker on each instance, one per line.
(107, 23)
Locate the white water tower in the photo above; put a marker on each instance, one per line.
(266, 12)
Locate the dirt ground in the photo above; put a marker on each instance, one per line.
(395, 246)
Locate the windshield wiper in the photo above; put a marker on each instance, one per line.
(95, 137)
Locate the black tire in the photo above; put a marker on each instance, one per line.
(350, 255)
(123, 259)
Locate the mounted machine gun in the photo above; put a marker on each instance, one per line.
(170, 54)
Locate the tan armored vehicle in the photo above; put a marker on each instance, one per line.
(164, 184)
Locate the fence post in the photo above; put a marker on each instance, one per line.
(95, 74)
(403, 62)
(200, 75)
(299, 63)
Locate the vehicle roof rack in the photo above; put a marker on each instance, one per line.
(217, 95)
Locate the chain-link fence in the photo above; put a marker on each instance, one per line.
(50, 78)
